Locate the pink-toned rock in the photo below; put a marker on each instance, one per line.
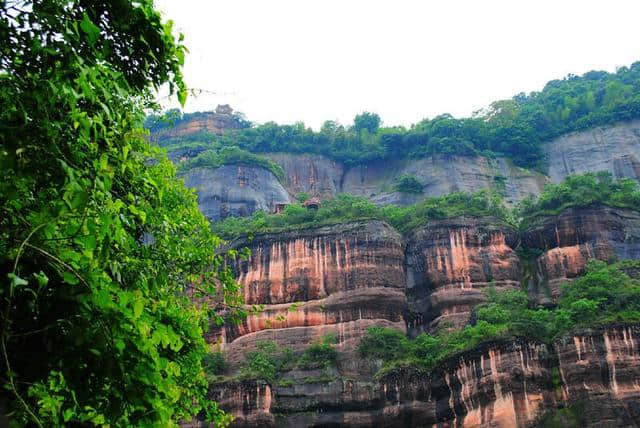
(337, 280)
(575, 236)
(450, 263)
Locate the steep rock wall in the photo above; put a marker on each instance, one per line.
(334, 279)
(594, 374)
(235, 190)
(576, 235)
(314, 174)
(450, 263)
(441, 175)
(614, 148)
(600, 373)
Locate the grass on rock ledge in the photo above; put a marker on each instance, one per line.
(605, 295)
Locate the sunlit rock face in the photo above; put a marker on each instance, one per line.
(570, 239)
(450, 263)
(335, 279)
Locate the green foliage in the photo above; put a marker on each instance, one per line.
(515, 128)
(572, 416)
(344, 208)
(366, 121)
(320, 354)
(262, 363)
(408, 184)
(604, 295)
(268, 363)
(302, 197)
(383, 343)
(100, 244)
(457, 204)
(581, 191)
(228, 156)
(214, 365)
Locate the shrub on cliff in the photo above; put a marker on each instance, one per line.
(215, 158)
(604, 295)
(408, 184)
(345, 208)
(321, 354)
(581, 191)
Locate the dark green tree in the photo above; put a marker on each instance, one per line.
(368, 121)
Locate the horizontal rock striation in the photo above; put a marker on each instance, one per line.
(449, 265)
(334, 279)
(576, 235)
(593, 374)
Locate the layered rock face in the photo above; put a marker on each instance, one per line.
(600, 374)
(235, 190)
(449, 265)
(593, 376)
(614, 148)
(576, 235)
(441, 175)
(334, 279)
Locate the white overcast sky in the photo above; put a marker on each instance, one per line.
(312, 60)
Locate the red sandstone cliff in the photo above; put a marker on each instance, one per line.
(450, 263)
(576, 235)
(334, 279)
(350, 276)
(501, 384)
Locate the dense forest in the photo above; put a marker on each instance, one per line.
(515, 128)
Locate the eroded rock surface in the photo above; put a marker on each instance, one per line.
(577, 235)
(614, 148)
(594, 373)
(334, 279)
(235, 190)
(450, 263)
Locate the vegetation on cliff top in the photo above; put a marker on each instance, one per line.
(99, 242)
(580, 191)
(345, 208)
(212, 158)
(605, 294)
(515, 128)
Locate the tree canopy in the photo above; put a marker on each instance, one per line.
(515, 128)
(101, 250)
